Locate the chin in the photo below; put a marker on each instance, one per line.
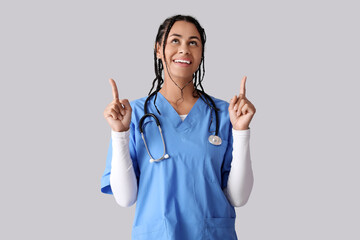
(181, 74)
(182, 77)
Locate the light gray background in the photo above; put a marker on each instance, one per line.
(302, 63)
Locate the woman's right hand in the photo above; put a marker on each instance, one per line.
(118, 112)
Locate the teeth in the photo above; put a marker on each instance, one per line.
(181, 61)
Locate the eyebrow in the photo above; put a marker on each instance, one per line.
(178, 35)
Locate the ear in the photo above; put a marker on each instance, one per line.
(158, 50)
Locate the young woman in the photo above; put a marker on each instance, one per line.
(180, 154)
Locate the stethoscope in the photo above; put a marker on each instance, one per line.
(213, 139)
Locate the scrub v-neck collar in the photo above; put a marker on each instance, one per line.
(168, 113)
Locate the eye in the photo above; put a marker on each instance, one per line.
(175, 40)
(193, 43)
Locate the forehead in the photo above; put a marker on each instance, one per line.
(185, 29)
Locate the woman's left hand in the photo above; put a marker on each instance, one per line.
(241, 110)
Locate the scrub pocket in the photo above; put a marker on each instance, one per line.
(213, 161)
(152, 230)
(220, 228)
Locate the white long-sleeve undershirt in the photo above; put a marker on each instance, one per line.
(241, 179)
(124, 184)
(122, 177)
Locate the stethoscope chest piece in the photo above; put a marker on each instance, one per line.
(215, 140)
(166, 156)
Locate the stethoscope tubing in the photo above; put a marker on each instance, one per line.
(214, 139)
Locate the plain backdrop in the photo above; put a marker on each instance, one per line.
(302, 63)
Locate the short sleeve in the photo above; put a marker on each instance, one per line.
(105, 179)
(225, 170)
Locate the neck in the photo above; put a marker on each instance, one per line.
(173, 93)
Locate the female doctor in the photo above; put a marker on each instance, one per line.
(183, 156)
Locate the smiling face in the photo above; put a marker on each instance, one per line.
(183, 52)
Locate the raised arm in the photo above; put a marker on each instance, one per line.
(122, 177)
(240, 181)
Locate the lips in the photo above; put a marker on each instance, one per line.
(182, 61)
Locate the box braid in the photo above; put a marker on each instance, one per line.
(163, 33)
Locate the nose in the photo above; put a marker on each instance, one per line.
(184, 49)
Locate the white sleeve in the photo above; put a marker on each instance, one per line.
(122, 177)
(241, 179)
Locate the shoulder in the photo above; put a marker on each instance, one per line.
(223, 107)
(220, 104)
(138, 103)
(137, 107)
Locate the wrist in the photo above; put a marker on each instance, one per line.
(241, 128)
(120, 130)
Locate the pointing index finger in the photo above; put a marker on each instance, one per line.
(242, 87)
(114, 89)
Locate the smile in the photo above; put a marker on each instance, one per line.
(182, 61)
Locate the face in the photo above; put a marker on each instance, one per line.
(183, 51)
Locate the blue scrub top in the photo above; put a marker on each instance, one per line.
(180, 197)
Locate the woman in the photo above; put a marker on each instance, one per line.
(188, 177)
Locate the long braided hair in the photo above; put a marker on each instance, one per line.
(162, 35)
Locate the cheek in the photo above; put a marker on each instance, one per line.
(198, 61)
(198, 55)
(169, 51)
